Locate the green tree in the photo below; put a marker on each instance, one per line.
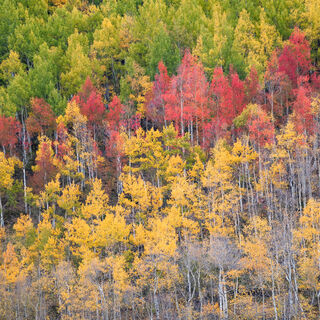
(44, 77)
(215, 40)
(186, 23)
(77, 66)
(27, 38)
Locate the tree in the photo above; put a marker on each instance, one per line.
(78, 65)
(45, 167)
(260, 126)
(135, 87)
(27, 38)
(238, 93)
(155, 41)
(109, 47)
(311, 25)
(44, 77)
(57, 3)
(69, 199)
(186, 23)
(41, 120)
(163, 49)
(257, 260)
(226, 100)
(303, 116)
(7, 169)
(90, 103)
(223, 195)
(306, 242)
(96, 202)
(17, 95)
(10, 67)
(9, 130)
(246, 41)
(186, 99)
(252, 86)
(269, 40)
(278, 90)
(213, 44)
(294, 60)
(9, 20)
(255, 44)
(155, 268)
(115, 114)
(155, 103)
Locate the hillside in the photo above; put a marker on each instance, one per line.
(159, 159)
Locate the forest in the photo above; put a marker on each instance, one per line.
(159, 159)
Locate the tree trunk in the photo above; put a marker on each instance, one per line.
(1, 214)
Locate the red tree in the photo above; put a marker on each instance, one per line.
(155, 103)
(278, 91)
(252, 86)
(186, 99)
(42, 119)
(9, 130)
(44, 170)
(238, 94)
(62, 147)
(90, 102)
(303, 117)
(114, 116)
(261, 129)
(295, 57)
(227, 99)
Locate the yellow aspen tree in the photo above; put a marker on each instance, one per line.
(223, 194)
(269, 40)
(78, 65)
(292, 149)
(139, 198)
(11, 67)
(66, 283)
(96, 204)
(175, 168)
(183, 211)
(307, 245)
(109, 48)
(119, 281)
(156, 269)
(11, 274)
(82, 158)
(111, 231)
(7, 168)
(145, 154)
(221, 215)
(255, 43)
(311, 22)
(10, 265)
(79, 236)
(257, 261)
(90, 290)
(47, 248)
(25, 231)
(101, 286)
(47, 199)
(69, 199)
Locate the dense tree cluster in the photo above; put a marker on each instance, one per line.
(159, 159)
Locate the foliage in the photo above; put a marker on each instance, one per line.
(159, 159)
